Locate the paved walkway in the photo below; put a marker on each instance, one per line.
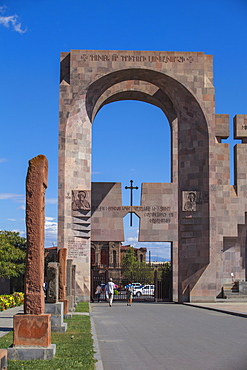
(133, 338)
(168, 336)
(6, 319)
(234, 308)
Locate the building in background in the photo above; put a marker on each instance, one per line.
(109, 256)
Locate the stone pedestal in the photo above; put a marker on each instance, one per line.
(32, 330)
(31, 353)
(32, 338)
(57, 313)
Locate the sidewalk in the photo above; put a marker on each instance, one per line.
(233, 308)
(170, 336)
(6, 319)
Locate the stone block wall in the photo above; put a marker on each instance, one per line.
(181, 85)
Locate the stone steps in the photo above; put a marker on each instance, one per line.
(231, 292)
(230, 288)
(229, 300)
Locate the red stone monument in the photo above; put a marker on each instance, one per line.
(33, 328)
(62, 278)
(36, 184)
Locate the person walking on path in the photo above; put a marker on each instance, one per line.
(98, 292)
(110, 291)
(129, 293)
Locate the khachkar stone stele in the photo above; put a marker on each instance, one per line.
(62, 278)
(32, 330)
(36, 184)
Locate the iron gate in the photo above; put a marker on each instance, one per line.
(159, 289)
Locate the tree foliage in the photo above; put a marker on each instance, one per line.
(135, 271)
(12, 254)
(129, 264)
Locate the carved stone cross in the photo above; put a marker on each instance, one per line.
(131, 198)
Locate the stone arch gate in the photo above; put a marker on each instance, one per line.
(199, 211)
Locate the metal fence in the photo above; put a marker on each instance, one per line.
(155, 288)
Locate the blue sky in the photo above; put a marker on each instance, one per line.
(130, 139)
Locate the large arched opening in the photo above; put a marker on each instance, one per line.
(132, 140)
(189, 158)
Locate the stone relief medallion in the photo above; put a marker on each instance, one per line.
(190, 200)
(81, 200)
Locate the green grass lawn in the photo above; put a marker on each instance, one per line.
(82, 307)
(74, 348)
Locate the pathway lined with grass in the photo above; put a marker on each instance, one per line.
(74, 348)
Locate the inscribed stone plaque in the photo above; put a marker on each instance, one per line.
(77, 249)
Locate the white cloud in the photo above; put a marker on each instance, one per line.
(11, 21)
(51, 201)
(21, 207)
(21, 232)
(2, 160)
(132, 239)
(132, 230)
(13, 196)
(50, 226)
(50, 231)
(11, 219)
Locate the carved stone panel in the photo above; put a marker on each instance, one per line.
(190, 200)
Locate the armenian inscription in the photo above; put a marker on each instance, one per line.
(77, 250)
(138, 58)
(155, 214)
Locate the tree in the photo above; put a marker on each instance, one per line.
(12, 254)
(135, 271)
(129, 264)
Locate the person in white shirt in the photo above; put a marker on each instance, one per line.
(110, 291)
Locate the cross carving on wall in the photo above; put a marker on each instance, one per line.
(131, 187)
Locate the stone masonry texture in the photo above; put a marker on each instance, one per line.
(199, 212)
(36, 184)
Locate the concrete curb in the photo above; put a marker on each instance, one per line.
(234, 313)
(81, 313)
(97, 355)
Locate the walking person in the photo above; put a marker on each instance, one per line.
(106, 293)
(98, 292)
(129, 293)
(110, 291)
